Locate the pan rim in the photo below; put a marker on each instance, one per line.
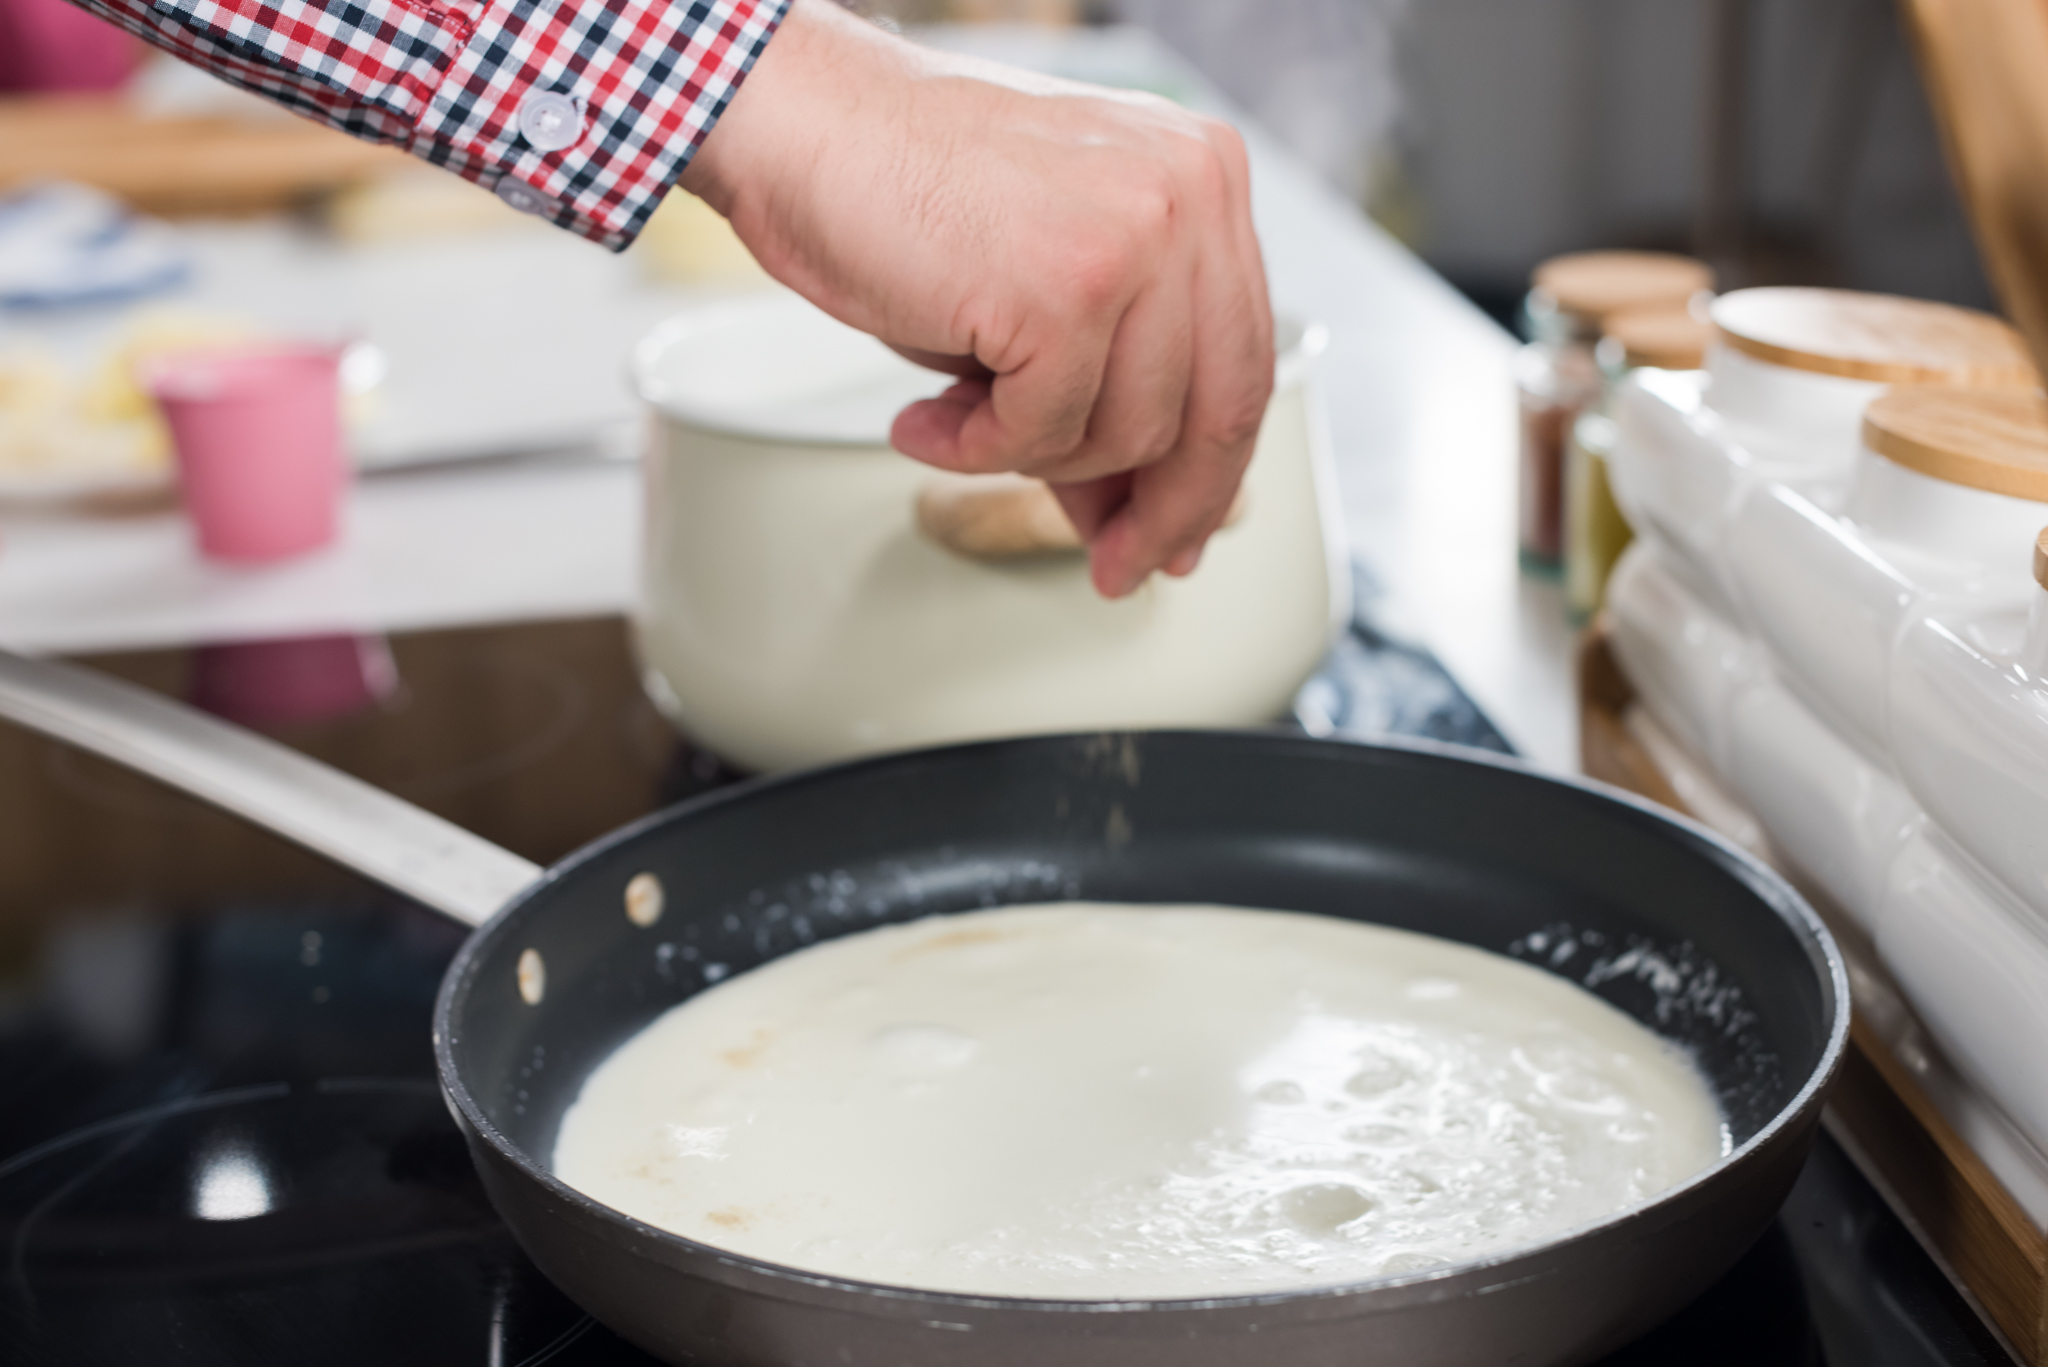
(1765, 883)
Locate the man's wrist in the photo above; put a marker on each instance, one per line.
(777, 117)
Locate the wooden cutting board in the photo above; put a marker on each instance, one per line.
(180, 165)
(1879, 1111)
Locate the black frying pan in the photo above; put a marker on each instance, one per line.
(1679, 929)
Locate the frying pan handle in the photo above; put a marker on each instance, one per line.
(327, 811)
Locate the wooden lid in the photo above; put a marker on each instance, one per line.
(1986, 439)
(1592, 285)
(1877, 337)
(2041, 558)
(1668, 338)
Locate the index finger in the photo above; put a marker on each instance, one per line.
(1175, 504)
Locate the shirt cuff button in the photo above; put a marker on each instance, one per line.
(550, 121)
(522, 196)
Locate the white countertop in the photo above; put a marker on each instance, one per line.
(1418, 385)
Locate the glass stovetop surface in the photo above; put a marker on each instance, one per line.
(221, 1141)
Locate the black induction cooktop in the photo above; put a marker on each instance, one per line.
(220, 1137)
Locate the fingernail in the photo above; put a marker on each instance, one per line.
(1121, 586)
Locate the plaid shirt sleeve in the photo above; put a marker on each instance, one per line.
(581, 111)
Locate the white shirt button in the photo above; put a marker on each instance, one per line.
(550, 121)
(522, 196)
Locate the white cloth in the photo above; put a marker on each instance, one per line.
(66, 244)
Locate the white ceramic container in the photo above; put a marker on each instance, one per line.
(1699, 788)
(1781, 402)
(1983, 536)
(1969, 707)
(1837, 814)
(1970, 954)
(1675, 471)
(1793, 369)
(1686, 659)
(793, 613)
(1970, 959)
(1830, 595)
(1976, 970)
(1794, 417)
(1827, 604)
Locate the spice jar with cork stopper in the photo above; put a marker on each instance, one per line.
(1595, 531)
(1557, 375)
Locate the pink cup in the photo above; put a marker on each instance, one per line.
(258, 439)
(48, 45)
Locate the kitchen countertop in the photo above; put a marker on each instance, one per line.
(1418, 386)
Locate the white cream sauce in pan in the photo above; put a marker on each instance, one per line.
(1104, 1102)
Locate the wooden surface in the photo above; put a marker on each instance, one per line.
(1875, 337)
(2041, 558)
(180, 166)
(1985, 440)
(1943, 1190)
(1592, 285)
(1936, 1182)
(1985, 63)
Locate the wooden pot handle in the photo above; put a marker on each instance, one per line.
(995, 517)
(1004, 517)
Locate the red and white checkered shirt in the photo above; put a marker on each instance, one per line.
(582, 111)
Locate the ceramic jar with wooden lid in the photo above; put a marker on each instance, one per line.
(1947, 492)
(1669, 337)
(1966, 937)
(1956, 473)
(1875, 698)
(1787, 378)
(1965, 477)
(1970, 730)
(1793, 369)
(1557, 376)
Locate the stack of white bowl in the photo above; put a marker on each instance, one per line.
(1836, 618)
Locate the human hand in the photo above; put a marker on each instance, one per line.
(1083, 259)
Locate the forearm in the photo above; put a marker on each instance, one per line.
(582, 111)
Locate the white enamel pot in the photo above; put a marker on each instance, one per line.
(793, 611)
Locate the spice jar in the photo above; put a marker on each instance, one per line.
(1595, 532)
(1557, 376)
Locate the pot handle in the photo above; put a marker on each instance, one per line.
(996, 518)
(327, 811)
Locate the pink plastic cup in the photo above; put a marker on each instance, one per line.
(258, 440)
